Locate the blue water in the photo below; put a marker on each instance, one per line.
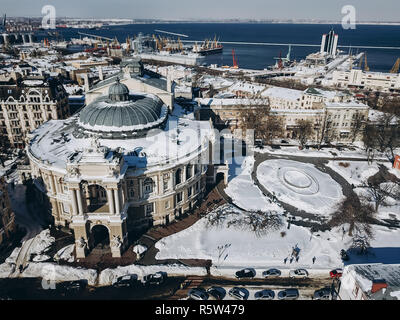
(259, 57)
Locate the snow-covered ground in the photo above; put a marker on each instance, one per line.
(237, 247)
(242, 189)
(330, 153)
(355, 172)
(301, 185)
(109, 276)
(233, 248)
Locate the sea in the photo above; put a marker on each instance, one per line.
(255, 56)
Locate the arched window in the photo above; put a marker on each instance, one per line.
(148, 185)
(189, 171)
(178, 176)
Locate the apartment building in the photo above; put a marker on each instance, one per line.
(377, 81)
(28, 102)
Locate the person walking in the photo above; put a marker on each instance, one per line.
(313, 260)
(285, 260)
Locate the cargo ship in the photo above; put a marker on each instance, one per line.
(208, 47)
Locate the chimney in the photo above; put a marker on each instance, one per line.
(378, 284)
(101, 76)
(86, 81)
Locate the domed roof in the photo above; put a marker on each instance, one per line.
(121, 112)
(118, 91)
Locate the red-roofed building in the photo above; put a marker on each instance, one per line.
(396, 164)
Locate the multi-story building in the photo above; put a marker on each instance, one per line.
(7, 218)
(137, 78)
(329, 43)
(122, 164)
(370, 282)
(359, 79)
(331, 113)
(26, 103)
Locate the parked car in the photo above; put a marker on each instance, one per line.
(265, 295)
(288, 294)
(344, 255)
(154, 279)
(239, 293)
(274, 146)
(198, 294)
(272, 273)
(322, 294)
(246, 273)
(336, 273)
(298, 273)
(284, 141)
(76, 285)
(217, 293)
(126, 281)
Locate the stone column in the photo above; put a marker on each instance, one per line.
(30, 38)
(140, 189)
(110, 200)
(79, 197)
(117, 201)
(53, 187)
(73, 201)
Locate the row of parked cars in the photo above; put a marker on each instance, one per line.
(130, 280)
(273, 272)
(219, 293)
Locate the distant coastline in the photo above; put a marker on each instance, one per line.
(125, 21)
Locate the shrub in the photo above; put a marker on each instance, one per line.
(344, 164)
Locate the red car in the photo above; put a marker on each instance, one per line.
(337, 273)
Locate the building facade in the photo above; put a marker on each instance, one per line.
(122, 164)
(359, 79)
(7, 217)
(332, 114)
(26, 103)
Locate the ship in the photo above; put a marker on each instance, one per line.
(209, 47)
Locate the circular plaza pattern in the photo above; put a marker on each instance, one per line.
(298, 181)
(300, 184)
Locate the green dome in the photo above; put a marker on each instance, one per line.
(121, 114)
(118, 92)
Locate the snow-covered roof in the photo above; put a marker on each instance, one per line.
(365, 274)
(353, 104)
(283, 93)
(181, 140)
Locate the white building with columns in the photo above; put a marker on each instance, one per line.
(122, 164)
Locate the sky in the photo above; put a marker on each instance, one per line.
(366, 10)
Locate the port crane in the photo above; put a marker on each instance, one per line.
(366, 67)
(396, 66)
(234, 58)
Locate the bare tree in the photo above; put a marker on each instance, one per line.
(274, 127)
(361, 242)
(259, 222)
(304, 131)
(357, 126)
(383, 135)
(357, 214)
(255, 117)
(378, 193)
